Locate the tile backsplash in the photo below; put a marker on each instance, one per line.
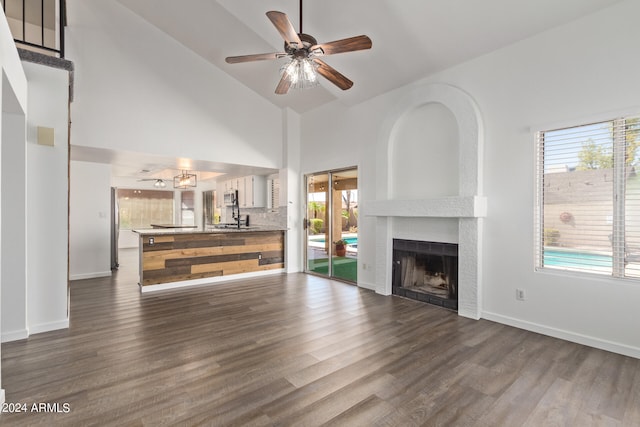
(262, 216)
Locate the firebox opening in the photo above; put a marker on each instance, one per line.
(426, 271)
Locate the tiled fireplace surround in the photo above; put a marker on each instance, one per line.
(469, 207)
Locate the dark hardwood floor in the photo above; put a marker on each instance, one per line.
(298, 350)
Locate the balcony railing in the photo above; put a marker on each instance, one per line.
(37, 24)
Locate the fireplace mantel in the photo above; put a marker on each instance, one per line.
(443, 207)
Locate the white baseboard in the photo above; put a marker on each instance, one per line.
(369, 286)
(20, 334)
(46, 327)
(611, 346)
(208, 280)
(94, 275)
(35, 329)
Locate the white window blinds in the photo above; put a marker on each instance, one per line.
(588, 199)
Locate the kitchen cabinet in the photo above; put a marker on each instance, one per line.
(252, 191)
(273, 193)
(231, 185)
(242, 192)
(225, 187)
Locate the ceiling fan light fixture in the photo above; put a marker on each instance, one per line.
(302, 73)
(159, 183)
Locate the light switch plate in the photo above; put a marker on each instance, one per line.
(45, 136)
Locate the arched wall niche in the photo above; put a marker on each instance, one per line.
(470, 135)
(424, 147)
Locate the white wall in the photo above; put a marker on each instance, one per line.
(291, 190)
(47, 202)
(569, 75)
(424, 151)
(137, 89)
(12, 66)
(14, 228)
(89, 220)
(424, 154)
(13, 94)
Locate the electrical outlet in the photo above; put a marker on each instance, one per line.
(152, 241)
(520, 295)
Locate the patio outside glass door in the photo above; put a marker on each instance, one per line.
(332, 224)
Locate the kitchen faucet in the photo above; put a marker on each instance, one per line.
(235, 212)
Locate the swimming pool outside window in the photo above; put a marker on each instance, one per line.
(588, 198)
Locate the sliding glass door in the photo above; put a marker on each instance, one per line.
(332, 224)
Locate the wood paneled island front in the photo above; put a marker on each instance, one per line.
(172, 258)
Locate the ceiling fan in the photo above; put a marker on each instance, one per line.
(159, 183)
(304, 52)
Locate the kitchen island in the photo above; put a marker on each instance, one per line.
(178, 257)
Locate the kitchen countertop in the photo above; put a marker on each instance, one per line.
(206, 230)
(172, 226)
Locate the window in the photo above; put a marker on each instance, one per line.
(187, 208)
(141, 208)
(588, 198)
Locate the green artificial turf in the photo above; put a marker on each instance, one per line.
(343, 268)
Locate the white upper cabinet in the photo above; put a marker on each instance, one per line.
(252, 190)
(253, 194)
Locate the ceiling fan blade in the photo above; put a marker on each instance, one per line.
(283, 85)
(331, 74)
(345, 45)
(256, 57)
(284, 27)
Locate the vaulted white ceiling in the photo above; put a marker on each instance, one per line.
(411, 38)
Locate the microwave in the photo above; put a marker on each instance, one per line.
(230, 197)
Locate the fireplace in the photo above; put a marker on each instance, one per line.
(426, 271)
